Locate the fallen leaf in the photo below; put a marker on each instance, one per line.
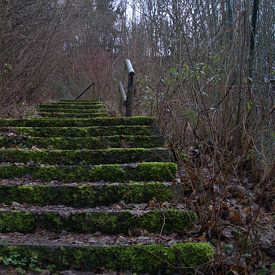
(235, 217)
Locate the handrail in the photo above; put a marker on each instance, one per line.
(92, 84)
(126, 99)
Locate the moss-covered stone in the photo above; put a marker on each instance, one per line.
(76, 122)
(80, 131)
(115, 222)
(86, 195)
(89, 106)
(84, 101)
(68, 110)
(12, 221)
(69, 143)
(72, 115)
(146, 171)
(151, 258)
(79, 101)
(71, 157)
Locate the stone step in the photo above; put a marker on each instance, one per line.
(72, 115)
(106, 220)
(73, 104)
(68, 143)
(145, 171)
(84, 194)
(61, 109)
(76, 122)
(84, 101)
(95, 131)
(74, 157)
(150, 254)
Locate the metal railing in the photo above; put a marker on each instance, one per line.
(82, 93)
(126, 98)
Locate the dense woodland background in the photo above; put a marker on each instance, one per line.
(204, 68)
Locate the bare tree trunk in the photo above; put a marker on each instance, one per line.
(252, 37)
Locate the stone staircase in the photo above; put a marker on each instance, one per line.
(83, 191)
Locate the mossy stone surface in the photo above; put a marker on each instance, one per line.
(146, 171)
(151, 258)
(72, 115)
(73, 157)
(61, 109)
(76, 122)
(93, 106)
(166, 221)
(80, 131)
(86, 195)
(69, 143)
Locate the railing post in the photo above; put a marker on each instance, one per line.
(130, 89)
(123, 99)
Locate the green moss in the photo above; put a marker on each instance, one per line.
(69, 143)
(79, 101)
(201, 253)
(68, 110)
(159, 171)
(152, 258)
(76, 122)
(71, 115)
(71, 157)
(74, 102)
(85, 195)
(172, 220)
(72, 106)
(81, 131)
(168, 220)
(14, 221)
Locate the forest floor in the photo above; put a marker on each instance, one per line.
(236, 215)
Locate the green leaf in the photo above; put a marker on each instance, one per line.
(173, 71)
(263, 271)
(250, 106)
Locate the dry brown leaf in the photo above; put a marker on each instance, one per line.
(235, 217)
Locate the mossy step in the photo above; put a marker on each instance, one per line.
(80, 131)
(71, 115)
(84, 101)
(92, 220)
(141, 258)
(85, 194)
(72, 157)
(76, 122)
(67, 143)
(72, 106)
(91, 103)
(67, 110)
(77, 103)
(147, 171)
